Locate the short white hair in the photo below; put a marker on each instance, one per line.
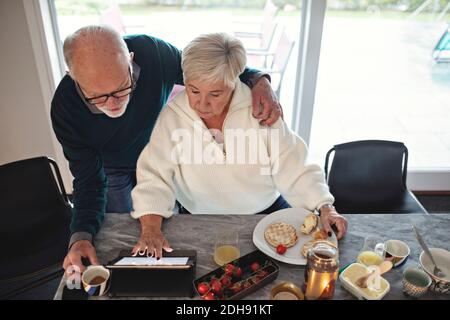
(90, 35)
(214, 57)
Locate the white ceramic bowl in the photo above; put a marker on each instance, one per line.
(442, 258)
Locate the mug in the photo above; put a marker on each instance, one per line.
(96, 280)
(415, 282)
(397, 251)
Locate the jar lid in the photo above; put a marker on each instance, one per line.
(324, 250)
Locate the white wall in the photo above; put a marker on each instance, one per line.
(25, 127)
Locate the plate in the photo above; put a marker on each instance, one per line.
(295, 217)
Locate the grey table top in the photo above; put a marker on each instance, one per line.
(197, 232)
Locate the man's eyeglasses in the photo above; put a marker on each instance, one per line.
(100, 101)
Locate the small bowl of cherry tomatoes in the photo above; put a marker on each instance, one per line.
(238, 278)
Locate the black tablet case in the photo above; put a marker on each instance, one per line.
(154, 281)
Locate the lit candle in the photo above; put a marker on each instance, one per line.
(321, 271)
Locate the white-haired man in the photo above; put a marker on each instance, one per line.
(103, 113)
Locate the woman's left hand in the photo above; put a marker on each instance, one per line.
(266, 107)
(329, 217)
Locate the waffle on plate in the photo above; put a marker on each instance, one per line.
(281, 233)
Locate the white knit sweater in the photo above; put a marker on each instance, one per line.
(183, 161)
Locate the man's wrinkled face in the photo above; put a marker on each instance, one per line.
(105, 85)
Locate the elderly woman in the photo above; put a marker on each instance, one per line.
(210, 154)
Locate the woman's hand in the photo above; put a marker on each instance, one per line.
(152, 240)
(329, 217)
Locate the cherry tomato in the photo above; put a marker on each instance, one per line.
(209, 296)
(225, 281)
(202, 288)
(238, 272)
(281, 249)
(254, 266)
(229, 269)
(216, 286)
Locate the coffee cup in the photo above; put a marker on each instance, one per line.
(96, 280)
(415, 282)
(396, 251)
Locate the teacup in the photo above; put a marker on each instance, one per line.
(415, 282)
(96, 280)
(442, 258)
(397, 251)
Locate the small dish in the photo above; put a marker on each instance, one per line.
(286, 291)
(238, 278)
(355, 271)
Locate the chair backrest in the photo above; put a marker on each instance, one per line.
(269, 12)
(268, 24)
(282, 51)
(112, 16)
(369, 174)
(267, 34)
(35, 212)
(281, 57)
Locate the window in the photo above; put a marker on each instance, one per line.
(262, 25)
(377, 79)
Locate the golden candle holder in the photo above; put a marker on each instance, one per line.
(321, 271)
(286, 291)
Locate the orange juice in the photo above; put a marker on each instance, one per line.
(226, 253)
(369, 258)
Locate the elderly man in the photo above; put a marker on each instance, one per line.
(103, 113)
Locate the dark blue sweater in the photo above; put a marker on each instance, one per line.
(93, 141)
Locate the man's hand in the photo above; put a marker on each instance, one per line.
(329, 217)
(152, 240)
(266, 107)
(80, 249)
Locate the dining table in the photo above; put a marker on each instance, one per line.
(197, 232)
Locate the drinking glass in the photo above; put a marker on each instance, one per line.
(373, 251)
(226, 246)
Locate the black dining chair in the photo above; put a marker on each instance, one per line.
(369, 176)
(35, 215)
